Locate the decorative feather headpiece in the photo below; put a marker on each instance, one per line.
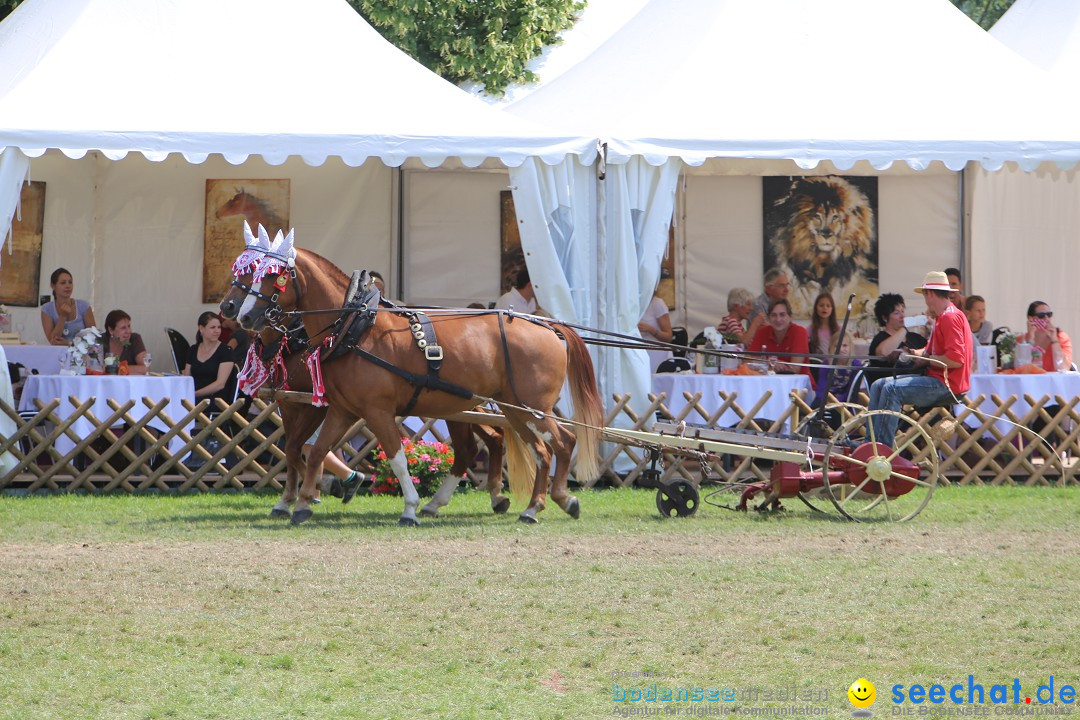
(262, 257)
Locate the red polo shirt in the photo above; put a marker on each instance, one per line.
(797, 341)
(952, 338)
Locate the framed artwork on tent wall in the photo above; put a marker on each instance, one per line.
(20, 271)
(228, 204)
(513, 257)
(822, 231)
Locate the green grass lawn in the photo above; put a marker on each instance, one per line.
(202, 607)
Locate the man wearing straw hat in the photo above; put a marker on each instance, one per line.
(946, 357)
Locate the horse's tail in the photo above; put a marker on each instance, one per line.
(520, 466)
(588, 410)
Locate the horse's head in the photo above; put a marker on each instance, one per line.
(236, 205)
(265, 281)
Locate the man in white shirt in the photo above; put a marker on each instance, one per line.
(521, 296)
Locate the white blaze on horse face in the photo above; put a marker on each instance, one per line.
(245, 308)
(401, 470)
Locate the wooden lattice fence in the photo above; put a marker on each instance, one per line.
(240, 445)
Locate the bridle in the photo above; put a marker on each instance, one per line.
(273, 311)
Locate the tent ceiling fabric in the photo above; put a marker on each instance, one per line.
(883, 81)
(272, 78)
(1046, 32)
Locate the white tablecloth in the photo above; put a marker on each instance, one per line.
(103, 387)
(43, 358)
(750, 390)
(1065, 384)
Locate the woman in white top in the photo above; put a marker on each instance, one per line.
(62, 318)
(655, 324)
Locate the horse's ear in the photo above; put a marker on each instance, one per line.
(288, 248)
(249, 239)
(279, 240)
(264, 239)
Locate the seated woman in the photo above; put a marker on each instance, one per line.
(62, 318)
(655, 324)
(894, 337)
(740, 305)
(210, 361)
(1055, 344)
(981, 328)
(125, 345)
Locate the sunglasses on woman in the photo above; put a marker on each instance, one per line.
(1044, 315)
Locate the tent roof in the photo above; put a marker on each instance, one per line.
(1046, 32)
(239, 77)
(844, 80)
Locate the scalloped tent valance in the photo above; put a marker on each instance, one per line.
(882, 81)
(270, 78)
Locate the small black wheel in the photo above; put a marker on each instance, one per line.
(677, 498)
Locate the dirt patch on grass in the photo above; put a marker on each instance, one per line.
(540, 548)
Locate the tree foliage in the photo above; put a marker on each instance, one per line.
(984, 12)
(488, 41)
(6, 6)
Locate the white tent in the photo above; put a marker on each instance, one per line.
(727, 85)
(1025, 227)
(127, 107)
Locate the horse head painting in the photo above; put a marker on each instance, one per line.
(375, 360)
(253, 209)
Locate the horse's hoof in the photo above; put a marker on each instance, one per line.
(302, 515)
(424, 512)
(279, 513)
(408, 522)
(501, 507)
(527, 519)
(573, 508)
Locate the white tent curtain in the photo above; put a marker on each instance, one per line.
(14, 171)
(1025, 244)
(7, 425)
(594, 247)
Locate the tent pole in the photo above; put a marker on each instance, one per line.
(397, 235)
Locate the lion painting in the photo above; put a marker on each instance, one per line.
(822, 231)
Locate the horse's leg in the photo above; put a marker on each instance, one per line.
(461, 440)
(382, 425)
(563, 442)
(334, 427)
(528, 429)
(298, 421)
(494, 440)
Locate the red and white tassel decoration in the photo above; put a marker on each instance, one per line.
(318, 390)
(255, 373)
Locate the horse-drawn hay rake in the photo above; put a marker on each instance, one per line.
(860, 475)
(852, 471)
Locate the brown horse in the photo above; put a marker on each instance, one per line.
(515, 361)
(299, 420)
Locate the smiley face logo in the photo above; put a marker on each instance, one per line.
(862, 693)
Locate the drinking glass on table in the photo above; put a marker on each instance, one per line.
(147, 359)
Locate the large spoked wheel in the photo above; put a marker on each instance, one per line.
(868, 481)
(835, 414)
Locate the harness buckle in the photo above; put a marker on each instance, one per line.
(433, 353)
